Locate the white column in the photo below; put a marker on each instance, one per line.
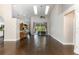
(76, 46)
(18, 29)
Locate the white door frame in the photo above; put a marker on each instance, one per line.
(66, 12)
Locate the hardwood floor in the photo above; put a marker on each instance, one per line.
(36, 45)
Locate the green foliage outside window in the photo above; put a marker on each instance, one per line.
(2, 28)
(40, 27)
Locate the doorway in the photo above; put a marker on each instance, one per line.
(40, 28)
(69, 27)
(1, 32)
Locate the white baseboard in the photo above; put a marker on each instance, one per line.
(61, 41)
(56, 39)
(68, 43)
(76, 51)
(10, 39)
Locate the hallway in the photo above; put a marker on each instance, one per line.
(56, 31)
(46, 46)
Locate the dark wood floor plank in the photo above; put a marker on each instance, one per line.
(42, 45)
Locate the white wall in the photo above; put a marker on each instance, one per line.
(66, 6)
(10, 30)
(9, 22)
(56, 23)
(37, 20)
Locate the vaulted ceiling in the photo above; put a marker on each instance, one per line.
(28, 11)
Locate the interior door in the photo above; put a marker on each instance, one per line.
(69, 27)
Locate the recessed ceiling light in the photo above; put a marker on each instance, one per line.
(35, 9)
(46, 10)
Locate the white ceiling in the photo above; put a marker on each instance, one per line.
(27, 10)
